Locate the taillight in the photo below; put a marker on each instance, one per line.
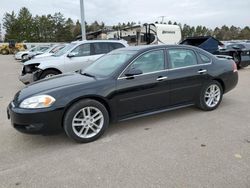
(234, 67)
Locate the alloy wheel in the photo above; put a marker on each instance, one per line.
(212, 95)
(49, 75)
(88, 122)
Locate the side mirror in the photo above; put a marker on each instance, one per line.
(133, 72)
(71, 54)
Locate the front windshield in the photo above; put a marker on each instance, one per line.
(64, 50)
(44, 49)
(33, 49)
(49, 49)
(108, 63)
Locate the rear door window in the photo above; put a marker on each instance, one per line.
(204, 58)
(101, 48)
(116, 45)
(179, 58)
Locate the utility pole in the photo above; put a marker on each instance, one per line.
(1, 39)
(83, 20)
(162, 19)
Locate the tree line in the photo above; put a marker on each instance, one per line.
(23, 26)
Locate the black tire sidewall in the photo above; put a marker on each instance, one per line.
(202, 104)
(24, 56)
(46, 72)
(70, 113)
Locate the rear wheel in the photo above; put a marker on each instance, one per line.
(86, 121)
(210, 96)
(49, 73)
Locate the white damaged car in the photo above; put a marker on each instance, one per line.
(75, 56)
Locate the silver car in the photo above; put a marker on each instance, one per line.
(75, 56)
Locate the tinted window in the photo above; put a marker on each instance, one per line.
(150, 62)
(64, 50)
(43, 49)
(82, 50)
(181, 58)
(116, 45)
(204, 58)
(101, 48)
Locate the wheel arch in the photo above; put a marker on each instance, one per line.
(92, 97)
(24, 54)
(54, 69)
(221, 83)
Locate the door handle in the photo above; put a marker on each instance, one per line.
(162, 78)
(202, 71)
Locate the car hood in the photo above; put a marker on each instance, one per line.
(22, 52)
(41, 60)
(46, 86)
(46, 54)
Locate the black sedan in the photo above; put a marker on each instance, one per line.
(124, 84)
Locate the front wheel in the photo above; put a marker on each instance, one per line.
(4, 52)
(210, 96)
(48, 74)
(86, 121)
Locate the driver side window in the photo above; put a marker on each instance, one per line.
(82, 50)
(149, 62)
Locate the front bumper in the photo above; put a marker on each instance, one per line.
(27, 78)
(18, 57)
(35, 121)
(30, 77)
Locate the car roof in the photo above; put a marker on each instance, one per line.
(149, 47)
(93, 41)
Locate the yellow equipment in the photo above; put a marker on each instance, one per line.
(12, 47)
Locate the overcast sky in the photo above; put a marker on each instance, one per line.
(210, 13)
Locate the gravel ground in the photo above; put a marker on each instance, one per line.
(182, 148)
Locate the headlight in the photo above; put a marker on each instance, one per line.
(40, 101)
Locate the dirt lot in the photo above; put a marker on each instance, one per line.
(182, 148)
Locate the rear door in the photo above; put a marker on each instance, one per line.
(186, 75)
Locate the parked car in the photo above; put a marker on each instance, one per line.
(239, 51)
(77, 55)
(24, 55)
(49, 52)
(126, 83)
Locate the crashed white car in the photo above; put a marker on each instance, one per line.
(75, 56)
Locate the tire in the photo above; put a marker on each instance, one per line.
(48, 74)
(4, 52)
(215, 97)
(237, 60)
(83, 129)
(25, 57)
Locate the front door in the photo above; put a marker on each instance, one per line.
(146, 92)
(81, 59)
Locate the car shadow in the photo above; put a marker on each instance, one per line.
(151, 121)
(114, 130)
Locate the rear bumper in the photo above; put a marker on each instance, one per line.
(231, 82)
(35, 121)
